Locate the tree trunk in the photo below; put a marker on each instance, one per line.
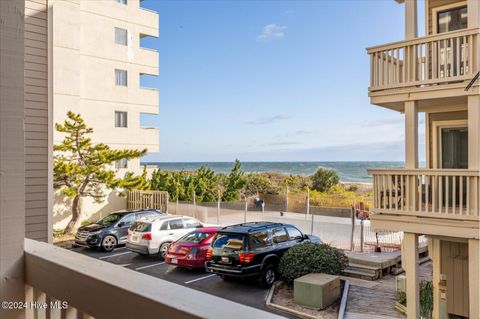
(75, 215)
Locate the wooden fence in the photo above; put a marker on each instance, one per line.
(148, 199)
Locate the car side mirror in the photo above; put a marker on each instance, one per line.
(199, 226)
(305, 236)
(121, 224)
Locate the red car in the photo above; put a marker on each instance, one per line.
(190, 250)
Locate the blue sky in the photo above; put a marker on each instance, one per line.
(272, 81)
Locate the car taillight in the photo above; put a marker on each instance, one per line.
(192, 253)
(209, 254)
(246, 258)
(147, 236)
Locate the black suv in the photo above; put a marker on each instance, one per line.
(111, 230)
(252, 250)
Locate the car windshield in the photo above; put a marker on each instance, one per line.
(229, 241)
(194, 237)
(109, 219)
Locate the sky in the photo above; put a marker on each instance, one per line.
(272, 81)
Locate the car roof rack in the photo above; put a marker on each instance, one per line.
(250, 226)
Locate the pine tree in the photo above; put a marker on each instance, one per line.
(81, 168)
(233, 183)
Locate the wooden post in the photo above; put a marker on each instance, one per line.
(12, 162)
(308, 201)
(218, 207)
(474, 277)
(410, 254)
(411, 153)
(286, 199)
(263, 210)
(411, 24)
(246, 209)
(167, 201)
(176, 208)
(194, 205)
(311, 226)
(352, 245)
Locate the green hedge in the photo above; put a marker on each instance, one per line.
(308, 258)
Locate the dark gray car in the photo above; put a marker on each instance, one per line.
(111, 230)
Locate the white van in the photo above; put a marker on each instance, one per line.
(152, 236)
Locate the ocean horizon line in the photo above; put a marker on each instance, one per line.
(348, 171)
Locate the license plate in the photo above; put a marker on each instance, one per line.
(174, 261)
(225, 260)
(134, 238)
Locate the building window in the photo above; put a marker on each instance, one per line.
(123, 163)
(122, 1)
(451, 20)
(121, 36)
(120, 77)
(120, 119)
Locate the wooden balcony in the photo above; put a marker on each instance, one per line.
(430, 193)
(428, 61)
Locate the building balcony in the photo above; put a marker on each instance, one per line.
(148, 58)
(430, 62)
(96, 289)
(444, 197)
(151, 138)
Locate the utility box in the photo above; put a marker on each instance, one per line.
(316, 290)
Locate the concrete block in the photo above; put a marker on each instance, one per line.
(316, 290)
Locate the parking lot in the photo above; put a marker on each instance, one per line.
(245, 292)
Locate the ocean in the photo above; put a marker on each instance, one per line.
(348, 171)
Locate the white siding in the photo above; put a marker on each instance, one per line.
(36, 120)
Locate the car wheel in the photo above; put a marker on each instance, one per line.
(268, 276)
(109, 243)
(162, 251)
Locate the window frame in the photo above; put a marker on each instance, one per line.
(121, 161)
(120, 122)
(119, 78)
(449, 7)
(124, 41)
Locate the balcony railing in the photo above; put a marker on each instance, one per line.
(95, 289)
(431, 60)
(437, 193)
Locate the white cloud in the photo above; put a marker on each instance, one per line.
(272, 31)
(269, 119)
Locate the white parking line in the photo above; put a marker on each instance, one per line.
(153, 265)
(115, 255)
(201, 278)
(124, 265)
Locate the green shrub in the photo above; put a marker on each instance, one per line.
(401, 298)
(324, 179)
(308, 258)
(426, 299)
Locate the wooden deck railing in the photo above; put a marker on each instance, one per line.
(92, 288)
(431, 60)
(438, 193)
